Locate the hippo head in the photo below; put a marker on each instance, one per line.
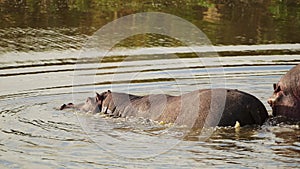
(285, 100)
(92, 104)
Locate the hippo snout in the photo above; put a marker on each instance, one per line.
(64, 106)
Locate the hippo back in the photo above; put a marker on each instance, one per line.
(215, 107)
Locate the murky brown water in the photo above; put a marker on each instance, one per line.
(40, 46)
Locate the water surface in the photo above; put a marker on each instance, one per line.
(40, 52)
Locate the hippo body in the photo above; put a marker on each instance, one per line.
(208, 107)
(285, 100)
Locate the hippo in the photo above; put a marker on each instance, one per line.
(285, 100)
(196, 109)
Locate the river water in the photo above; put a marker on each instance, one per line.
(45, 62)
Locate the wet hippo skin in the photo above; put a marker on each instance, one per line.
(285, 100)
(208, 107)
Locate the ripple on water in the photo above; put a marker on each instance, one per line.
(34, 134)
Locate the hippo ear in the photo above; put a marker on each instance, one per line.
(98, 97)
(274, 86)
(278, 88)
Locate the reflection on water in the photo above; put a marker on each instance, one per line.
(224, 22)
(29, 39)
(39, 48)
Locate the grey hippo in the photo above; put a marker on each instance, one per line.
(285, 100)
(196, 109)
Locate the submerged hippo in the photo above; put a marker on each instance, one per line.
(197, 109)
(285, 100)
